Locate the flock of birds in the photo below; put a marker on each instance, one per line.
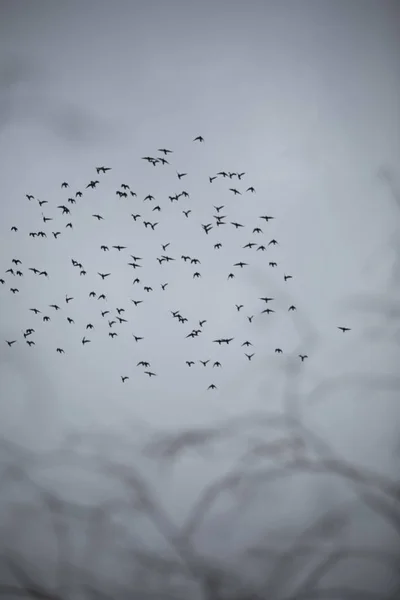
(118, 317)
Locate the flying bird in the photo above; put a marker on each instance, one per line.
(344, 329)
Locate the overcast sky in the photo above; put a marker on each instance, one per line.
(301, 96)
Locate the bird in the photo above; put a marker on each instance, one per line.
(143, 363)
(60, 351)
(104, 275)
(150, 374)
(180, 175)
(85, 341)
(98, 217)
(251, 189)
(199, 138)
(212, 386)
(64, 184)
(344, 329)
(102, 169)
(292, 307)
(10, 343)
(278, 350)
(302, 357)
(249, 356)
(124, 378)
(190, 363)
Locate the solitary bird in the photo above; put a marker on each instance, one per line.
(344, 329)
(302, 357)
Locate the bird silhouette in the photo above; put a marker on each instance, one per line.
(344, 329)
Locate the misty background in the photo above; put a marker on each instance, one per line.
(304, 98)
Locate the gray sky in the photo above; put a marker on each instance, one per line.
(304, 98)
